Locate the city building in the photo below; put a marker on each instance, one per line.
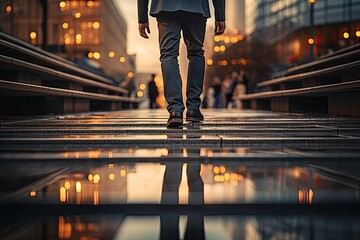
(302, 30)
(92, 33)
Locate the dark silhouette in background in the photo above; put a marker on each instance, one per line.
(153, 92)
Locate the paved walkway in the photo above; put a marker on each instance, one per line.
(146, 129)
(264, 171)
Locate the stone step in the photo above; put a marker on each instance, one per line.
(145, 130)
(173, 142)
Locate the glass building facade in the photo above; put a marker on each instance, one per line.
(285, 25)
(74, 29)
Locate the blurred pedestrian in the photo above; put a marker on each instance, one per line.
(153, 92)
(188, 16)
(228, 86)
(216, 85)
(239, 89)
(244, 80)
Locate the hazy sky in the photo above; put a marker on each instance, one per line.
(146, 50)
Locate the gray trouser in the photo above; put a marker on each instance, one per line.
(193, 26)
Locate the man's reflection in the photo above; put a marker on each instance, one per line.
(170, 195)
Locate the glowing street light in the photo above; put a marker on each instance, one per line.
(65, 25)
(111, 54)
(9, 8)
(312, 35)
(62, 4)
(77, 15)
(33, 35)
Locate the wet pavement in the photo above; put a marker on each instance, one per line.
(242, 174)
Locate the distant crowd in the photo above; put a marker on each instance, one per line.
(221, 91)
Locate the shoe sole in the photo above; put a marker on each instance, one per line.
(194, 119)
(174, 122)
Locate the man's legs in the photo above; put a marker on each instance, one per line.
(169, 39)
(194, 27)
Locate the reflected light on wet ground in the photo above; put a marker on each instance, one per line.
(134, 227)
(119, 176)
(146, 182)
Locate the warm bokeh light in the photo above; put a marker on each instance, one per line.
(33, 194)
(96, 178)
(311, 1)
(311, 41)
(122, 59)
(223, 63)
(222, 48)
(227, 176)
(227, 39)
(78, 186)
(142, 86)
(209, 62)
(78, 38)
(90, 4)
(67, 41)
(9, 8)
(296, 173)
(77, 15)
(97, 55)
(217, 38)
(216, 170)
(122, 172)
(216, 49)
(300, 196)
(62, 4)
(96, 197)
(357, 33)
(140, 94)
(310, 196)
(33, 35)
(90, 177)
(111, 54)
(112, 177)
(234, 40)
(222, 169)
(90, 55)
(111, 165)
(346, 35)
(65, 25)
(96, 25)
(67, 185)
(130, 74)
(62, 194)
(64, 229)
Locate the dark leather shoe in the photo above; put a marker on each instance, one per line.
(175, 119)
(193, 115)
